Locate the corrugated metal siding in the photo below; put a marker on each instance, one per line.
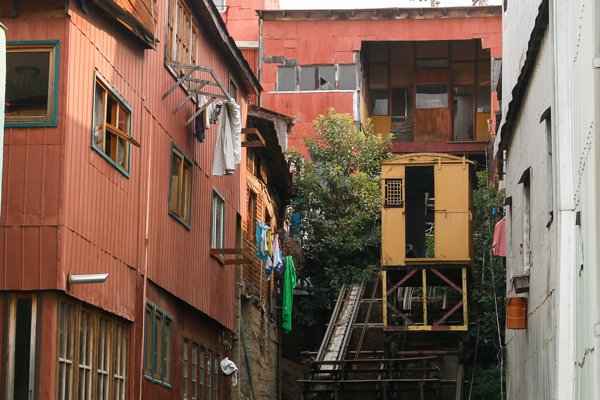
(31, 180)
(531, 353)
(111, 212)
(67, 209)
(518, 22)
(251, 55)
(586, 161)
(338, 42)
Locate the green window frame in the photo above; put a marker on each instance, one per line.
(111, 126)
(158, 345)
(32, 74)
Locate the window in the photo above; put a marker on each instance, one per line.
(92, 354)
(316, 77)
(111, 133)
(32, 83)
(217, 377)
(103, 365)
(233, 90)
(221, 5)
(120, 365)
(158, 345)
(401, 104)
(180, 192)
(66, 337)
(251, 212)
(85, 355)
(186, 369)
(217, 236)
(326, 77)
(432, 95)
(379, 103)
(182, 34)
(209, 375)
(308, 76)
(347, 77)
(286, 79)
(194, 377)
(202, 374)
(393, 193)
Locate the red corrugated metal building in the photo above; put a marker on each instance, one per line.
(101, 175)
(422, 74)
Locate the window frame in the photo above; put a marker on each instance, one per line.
(217, 196)
(166, 365)
(299, 79)
(73, 311)
(185, 160)
(172, 31)
(431, 84)
(51, 120)
(110, 91)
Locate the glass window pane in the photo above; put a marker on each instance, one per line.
(379, 101)
(347, 77)
(99, 113)
(400, 102)
(286, 79)
(326, 77)
(308, 78)
(27, 83)
(432, 95)
(176, 183)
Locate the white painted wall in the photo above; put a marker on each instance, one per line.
(531, 353)
(558, 356)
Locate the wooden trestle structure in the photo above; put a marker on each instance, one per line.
(401, 336)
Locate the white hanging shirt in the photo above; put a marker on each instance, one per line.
(228, 148)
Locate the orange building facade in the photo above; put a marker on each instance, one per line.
(423, 75)
(102, 174)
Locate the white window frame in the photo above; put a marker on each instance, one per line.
(217, 233)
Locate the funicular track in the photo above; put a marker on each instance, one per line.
(358, 360)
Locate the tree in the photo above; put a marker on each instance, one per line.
(488, 294)
(337, 205)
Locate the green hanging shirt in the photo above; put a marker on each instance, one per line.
(289, 283)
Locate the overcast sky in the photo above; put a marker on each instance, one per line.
(339, 4)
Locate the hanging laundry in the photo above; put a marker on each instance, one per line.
(261, 229)
(499, 239)
(202, 121)
(289, 283)
(229, 368)
(269, 266)
(213, 113)
(277, 254)
(270, 243)
(228, 147)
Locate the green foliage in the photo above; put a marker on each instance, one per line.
(488, 291)
(338, 198)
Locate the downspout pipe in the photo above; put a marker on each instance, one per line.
(2, 96)
(565, 263)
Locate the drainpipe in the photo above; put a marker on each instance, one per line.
(565, 263)
(2, 96)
